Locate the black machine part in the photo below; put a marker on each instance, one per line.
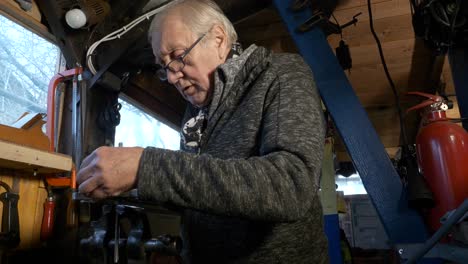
(344, 55)
(419, 194)
(10, 235)
(122, 234)
(442, 24)
(451, 220)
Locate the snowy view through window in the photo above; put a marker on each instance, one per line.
(137, 128)
(27, 63)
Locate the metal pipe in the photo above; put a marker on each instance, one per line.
(54, 82)
(452, 220)
(50, 126)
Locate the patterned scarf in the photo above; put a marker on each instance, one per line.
(192, 131)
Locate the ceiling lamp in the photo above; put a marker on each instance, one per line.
(87, 13)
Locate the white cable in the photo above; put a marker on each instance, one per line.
(117, 34)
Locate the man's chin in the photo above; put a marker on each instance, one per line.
(196, 102)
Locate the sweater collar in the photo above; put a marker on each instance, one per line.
(235, 69)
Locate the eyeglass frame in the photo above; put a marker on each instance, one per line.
(162, 72)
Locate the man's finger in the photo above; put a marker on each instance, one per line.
(89, 185)
(99, 193)
(85, 162)
(85, 173)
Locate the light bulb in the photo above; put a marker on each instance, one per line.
(75, 18)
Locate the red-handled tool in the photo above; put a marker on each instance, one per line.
(48, 218)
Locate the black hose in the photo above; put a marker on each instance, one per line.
(389, 78)
(5, 186)
(454, 20)
(452, 220)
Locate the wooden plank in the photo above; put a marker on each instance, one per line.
(379, 10)
(343, 5)
(388, 29)
(266, 27)
(14, 156)
(30, 208)
(33, 13)
(38, 212)
(30, 20)
(395, 52)
(26, 205)
(27, 137)
(28, 120)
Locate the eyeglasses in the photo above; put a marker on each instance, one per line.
(176, 64)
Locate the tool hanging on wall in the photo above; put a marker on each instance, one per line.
(442, 152)
(343, 54)
(10, 235)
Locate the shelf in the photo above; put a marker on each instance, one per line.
(22, 158)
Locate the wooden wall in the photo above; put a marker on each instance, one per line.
(407, 58)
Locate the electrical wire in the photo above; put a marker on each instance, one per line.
(389, 78)
(117, 35)
(413, 6)
(454, 20)
(439, 14)
(338, 24)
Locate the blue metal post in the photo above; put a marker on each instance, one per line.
(459, 65)
(332, 230)
(380, 179)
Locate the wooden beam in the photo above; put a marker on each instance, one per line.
(18, 157)
(28, 20)
(32, 137)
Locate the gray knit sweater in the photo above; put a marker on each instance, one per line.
(250, 196)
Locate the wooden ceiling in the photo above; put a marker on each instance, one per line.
(408, 60)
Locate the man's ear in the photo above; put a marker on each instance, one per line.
(220, 40)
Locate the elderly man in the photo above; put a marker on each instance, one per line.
(252, 137)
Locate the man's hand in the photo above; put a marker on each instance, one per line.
(109, 171)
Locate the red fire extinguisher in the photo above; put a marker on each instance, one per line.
(442, 153)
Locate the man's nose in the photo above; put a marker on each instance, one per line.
(173, 77)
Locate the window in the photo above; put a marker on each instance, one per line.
(137, 128)
(351, 185)
(27, 63)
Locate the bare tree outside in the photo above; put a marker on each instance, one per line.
(138, 128)
(27, 63)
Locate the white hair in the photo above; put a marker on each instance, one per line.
(198, 15)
